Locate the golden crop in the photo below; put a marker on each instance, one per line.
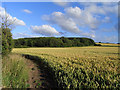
(81, 66)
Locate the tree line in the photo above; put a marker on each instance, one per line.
(53, 42)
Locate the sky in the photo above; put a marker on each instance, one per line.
(98, 21)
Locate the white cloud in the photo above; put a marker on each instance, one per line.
(17, 21)
(23, 35)
(64, 22)
(45, 30)
(91, 35)
(27, 11)
(90, 15)
(102, 8)
(82, 17)
(74, 12)
(60, 2)
(11, 19)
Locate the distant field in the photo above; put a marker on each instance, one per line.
(80, 66)
(109, 44)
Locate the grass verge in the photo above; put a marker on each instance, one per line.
(15, 72)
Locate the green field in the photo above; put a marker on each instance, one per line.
(80, 67)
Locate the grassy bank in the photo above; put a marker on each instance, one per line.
(15, 72)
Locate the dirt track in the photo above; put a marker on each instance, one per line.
(38, 78)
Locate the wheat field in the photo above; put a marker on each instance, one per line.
(80, 67)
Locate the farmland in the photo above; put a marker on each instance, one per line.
(80, 67)
(109, 44)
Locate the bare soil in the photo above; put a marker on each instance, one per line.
(38, 78)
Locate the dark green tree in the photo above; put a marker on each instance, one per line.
(67, 42)
(29, 43)
(55, 42)
(7, 41)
